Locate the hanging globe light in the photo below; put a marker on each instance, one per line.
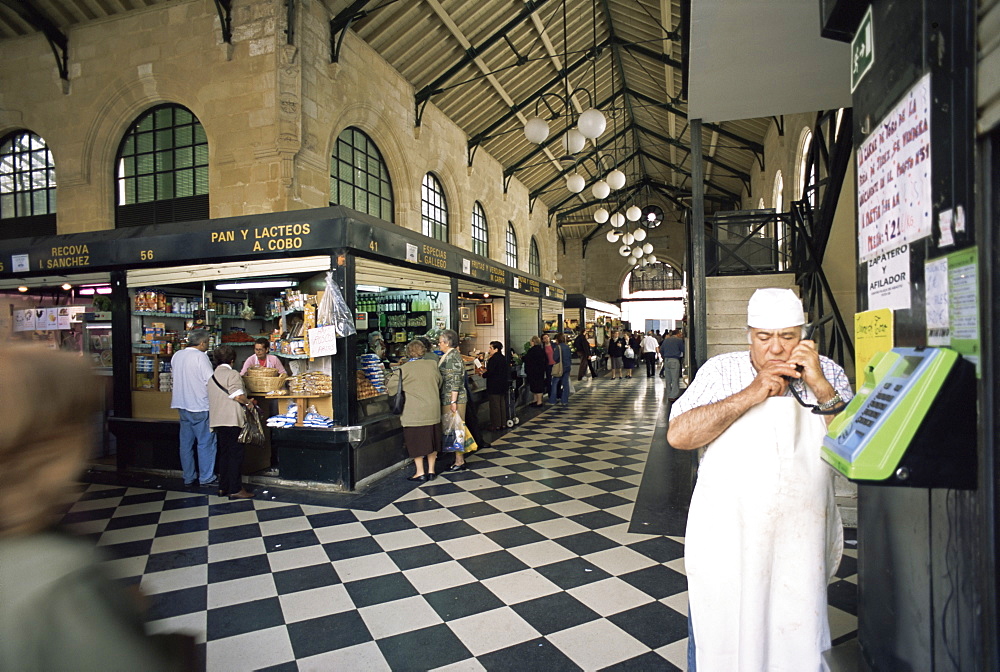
(647, 248)
(633, 260)
(615, 179)
(628, 239)
(636, 252)
(601, 215)
(573, 141)
(575, 182)
(625, 251)
(640, 234)
(591, 123)
(652, 259)
(617, 220)
(633, 213)
(536, 130)
(600, 190)
(557, 276)
(612, 236)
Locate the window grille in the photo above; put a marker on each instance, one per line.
(27, 176)
(511, 246)
(534, 262)
(359, 178)
(480, 232)
(433, 209)
(656, 277)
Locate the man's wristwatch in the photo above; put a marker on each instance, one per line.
(835, 401)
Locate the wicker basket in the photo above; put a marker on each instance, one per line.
(261, 372)
(262, 385)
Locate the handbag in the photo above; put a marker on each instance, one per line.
(398, 399)
(557, 368)
(252, 433)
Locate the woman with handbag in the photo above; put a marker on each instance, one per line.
(453, 394)
(226, 416)
(630, 359)
(420, 381)
(561, 371)
(616, 351)
(497, 376)
(534, 370)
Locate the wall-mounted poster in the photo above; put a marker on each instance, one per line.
(894, 176)
(484, 314)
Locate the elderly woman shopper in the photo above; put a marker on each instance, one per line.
(616, 351)
(226, 416)
(535, 362)
(560, 384)
(632, 343)
(421, 417)
(497, 376)
(453, 394)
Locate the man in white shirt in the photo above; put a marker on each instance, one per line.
(191, 370)
(763, 533)
(650, 346)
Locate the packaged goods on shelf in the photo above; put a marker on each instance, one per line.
(365, 389)
(313, 382)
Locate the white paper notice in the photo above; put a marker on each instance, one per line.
(411, 252)
(964, 306)
(889, 280)
(960, 219)
(944, 226)
(936, 277)
(322, 341)
(894, 176)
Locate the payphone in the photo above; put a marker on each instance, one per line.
(912, 423)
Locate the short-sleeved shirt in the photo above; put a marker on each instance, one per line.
(191, 370)
(724, 375)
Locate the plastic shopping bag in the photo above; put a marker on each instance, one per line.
(333, 309)
(470, 443)
(454, 434)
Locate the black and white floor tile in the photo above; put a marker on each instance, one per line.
(523, 562)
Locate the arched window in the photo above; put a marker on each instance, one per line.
(804, 175)
(358, 177)
(27, 186)
(433, 209)
(511, 245)
(656, 277)
(777, 194)
(162, 169)
(480, 232)
(534, 261)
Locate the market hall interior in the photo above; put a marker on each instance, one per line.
(342, 177)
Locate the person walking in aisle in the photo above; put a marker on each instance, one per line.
(633, 347)
(582, 346)
(672, 351)
(650, 347)
(191, 370)
(547, 346)
(534, 370)
(560, 383)
(616, 351)
(497, 376)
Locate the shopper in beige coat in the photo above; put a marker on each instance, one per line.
(226, 416)
(421, 418)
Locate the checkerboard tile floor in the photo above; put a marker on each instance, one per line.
(523, 562)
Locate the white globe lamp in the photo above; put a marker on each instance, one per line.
(612, 236)
(601, 215)
(633, 260)
(573, 141)
(652, 259)
(636, 252)
(628, 239)
(617, 220)
(633, 213)
(536, 130)
(616, 179)
(647, 248)
(591, 123)
(625, 251)
(600, 190)
(640, 235)
(575, 182)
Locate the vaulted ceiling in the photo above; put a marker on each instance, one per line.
(491, 64)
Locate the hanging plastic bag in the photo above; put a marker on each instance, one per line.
(470, 442)
(252, 433)
(333, 309)
(454, 434)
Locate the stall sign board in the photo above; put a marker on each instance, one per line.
(894, 176)
(527, 285)
(323, 341)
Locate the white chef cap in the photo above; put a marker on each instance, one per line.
(773, 308)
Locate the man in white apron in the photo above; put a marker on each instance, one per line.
(763, 535)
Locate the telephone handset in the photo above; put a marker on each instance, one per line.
(791, 382)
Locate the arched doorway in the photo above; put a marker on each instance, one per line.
(653, 297)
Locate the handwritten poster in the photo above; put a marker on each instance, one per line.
(963, 299)
(322, 341)
(894, 176)
(888, 279)
(873, 332)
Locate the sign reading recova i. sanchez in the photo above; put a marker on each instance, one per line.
(894, 176)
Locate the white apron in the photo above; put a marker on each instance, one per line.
(764, 537)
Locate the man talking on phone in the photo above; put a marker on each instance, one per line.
(763, 533)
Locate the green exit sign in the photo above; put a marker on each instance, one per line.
(862, 50)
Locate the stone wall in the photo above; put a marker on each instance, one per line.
(271, 111)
